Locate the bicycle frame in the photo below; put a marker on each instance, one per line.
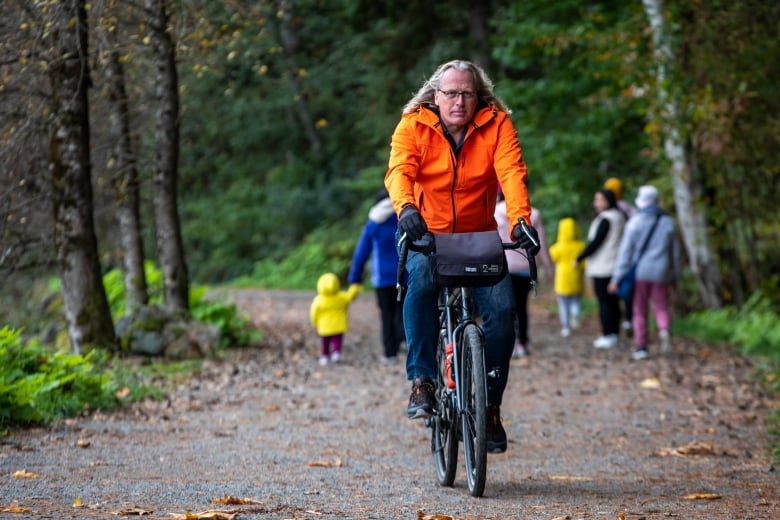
(454, 315)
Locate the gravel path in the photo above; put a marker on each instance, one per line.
(593, 435)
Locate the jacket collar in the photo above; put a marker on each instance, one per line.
(429, 114)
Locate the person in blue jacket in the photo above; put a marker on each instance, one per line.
(377, 242)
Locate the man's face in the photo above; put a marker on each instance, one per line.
(456, 98)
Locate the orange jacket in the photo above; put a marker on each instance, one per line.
(457, 195)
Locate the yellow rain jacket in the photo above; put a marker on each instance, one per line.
(569, 280)
(328, 311)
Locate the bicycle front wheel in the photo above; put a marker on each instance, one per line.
(444, 430)
(473, 388)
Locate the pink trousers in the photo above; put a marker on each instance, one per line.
(646, 294)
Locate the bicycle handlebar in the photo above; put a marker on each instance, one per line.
(531, 258)
(427, 244)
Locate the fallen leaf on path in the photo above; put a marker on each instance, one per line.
(692, 448)
(206, 515)
(82, 443)
(14, 509)
(23, 473)
(569, 478)
(326, 463)
(122, 393)
(234, 501)
(696, 448)
(133, 511)
(651, 383)
(702, 496)
(433, 516)
(77, 502)
(567, 517)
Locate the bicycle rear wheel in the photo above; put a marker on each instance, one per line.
(444, 430)
(473, 388)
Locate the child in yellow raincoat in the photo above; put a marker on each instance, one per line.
(329, 315)
(569, 275)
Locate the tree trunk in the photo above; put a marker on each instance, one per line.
(125, 181)
(86, 305)
(290, 45)
(692, 219)
(169, 239)
(478, 33)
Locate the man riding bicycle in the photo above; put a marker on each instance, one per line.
(454, 144)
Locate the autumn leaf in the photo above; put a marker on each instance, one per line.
(692, 448)
(14, 509)
(206, 515)
(702, 496)
(77, 502)
(650, 383)
(433, 516)
(82, 443)
(326, 463)
(228, 500)
(696, 448)
(23, 473)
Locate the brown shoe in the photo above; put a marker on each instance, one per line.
(421, 401)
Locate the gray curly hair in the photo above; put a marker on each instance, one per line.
(428, 89)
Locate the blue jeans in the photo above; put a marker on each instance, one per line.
(495, 305)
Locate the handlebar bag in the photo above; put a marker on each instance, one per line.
(470, 259)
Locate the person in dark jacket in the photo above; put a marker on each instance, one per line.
(377, 242)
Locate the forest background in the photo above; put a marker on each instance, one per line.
(242, 142)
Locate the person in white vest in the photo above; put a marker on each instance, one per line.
(604, 237)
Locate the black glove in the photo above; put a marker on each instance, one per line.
(530, 244)
(412, 223)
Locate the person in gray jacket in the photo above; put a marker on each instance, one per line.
(657, 271)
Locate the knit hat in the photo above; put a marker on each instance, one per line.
(614, 185)
(647, 196)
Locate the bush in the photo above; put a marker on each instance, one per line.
(236, 330)
(37, 385)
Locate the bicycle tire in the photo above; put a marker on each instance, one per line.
(473, 387)
(444, 430)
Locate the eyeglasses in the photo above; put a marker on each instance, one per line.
(453, 94)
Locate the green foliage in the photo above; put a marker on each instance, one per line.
(572, 71)
(755, 327)
(37, 385)
(236, 329)
(323, 251)
(114, 284)
(151, 379)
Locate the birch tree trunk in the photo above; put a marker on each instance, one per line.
(687, 190)
(124, 175)
(86, 305)
(169, 239)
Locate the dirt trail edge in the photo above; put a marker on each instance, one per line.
(593, 435)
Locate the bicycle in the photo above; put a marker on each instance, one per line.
(460, 414)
